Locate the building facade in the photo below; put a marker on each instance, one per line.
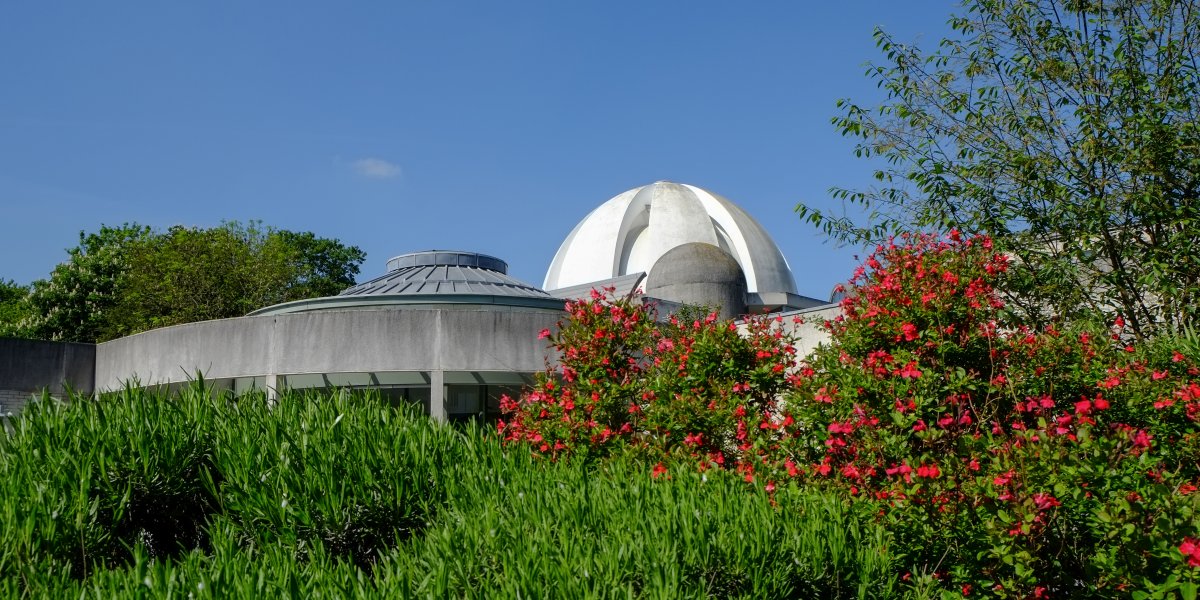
(449, 331)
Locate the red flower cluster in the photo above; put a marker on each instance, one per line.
(1190, 548)
(690, 386)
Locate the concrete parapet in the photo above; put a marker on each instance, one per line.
(433, 338)
(810, 331)
(31, 366)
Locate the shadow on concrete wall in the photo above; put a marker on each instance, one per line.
(29, 367)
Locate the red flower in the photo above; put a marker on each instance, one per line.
(836, 427)
(909, 371)
(792, 471)
(659, 471)
(1045, 501)
(1140, 439)
(903, 469)
(1190, 549)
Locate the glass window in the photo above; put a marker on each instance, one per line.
(463, 400)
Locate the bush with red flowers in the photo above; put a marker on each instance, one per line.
(692, 387)
(1009, 461)
(1005, 461)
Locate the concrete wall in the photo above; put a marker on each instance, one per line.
(12, 401)
(438, 338)
(435, 338)
(29, 367)
(810, 332)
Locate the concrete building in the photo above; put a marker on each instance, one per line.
(450, 331)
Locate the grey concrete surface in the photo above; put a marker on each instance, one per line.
(699, 274)
(467, 338)
(35, 365)
(810, 332)
(632, 230)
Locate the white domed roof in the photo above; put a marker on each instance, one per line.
(630, 232)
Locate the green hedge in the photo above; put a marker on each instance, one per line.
(202, 495)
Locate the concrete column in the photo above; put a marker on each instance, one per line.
(437, 396)
(271, 383)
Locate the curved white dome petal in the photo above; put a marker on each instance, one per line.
(630, 232)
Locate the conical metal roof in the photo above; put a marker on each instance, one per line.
(432, 277)
(446, 272)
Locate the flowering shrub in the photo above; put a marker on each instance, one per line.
(692, 387)
(1008, 461)
(1005, 461)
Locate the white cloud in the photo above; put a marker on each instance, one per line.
(376, 168)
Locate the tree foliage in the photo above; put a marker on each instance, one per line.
(75, 302)
(1066, 130)
(123, 280)
(13, 308)
(319, 266)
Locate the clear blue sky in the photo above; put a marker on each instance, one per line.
(403, 126)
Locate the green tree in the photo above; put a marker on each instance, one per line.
(74, 304)
(121, 281)
(320, 266)
(189, 274)
(14, 308)
(1065, 129)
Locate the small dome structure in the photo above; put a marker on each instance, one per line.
(632, 231)
(432, 277)
(699, 274)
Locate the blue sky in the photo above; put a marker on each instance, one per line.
(404, 126)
